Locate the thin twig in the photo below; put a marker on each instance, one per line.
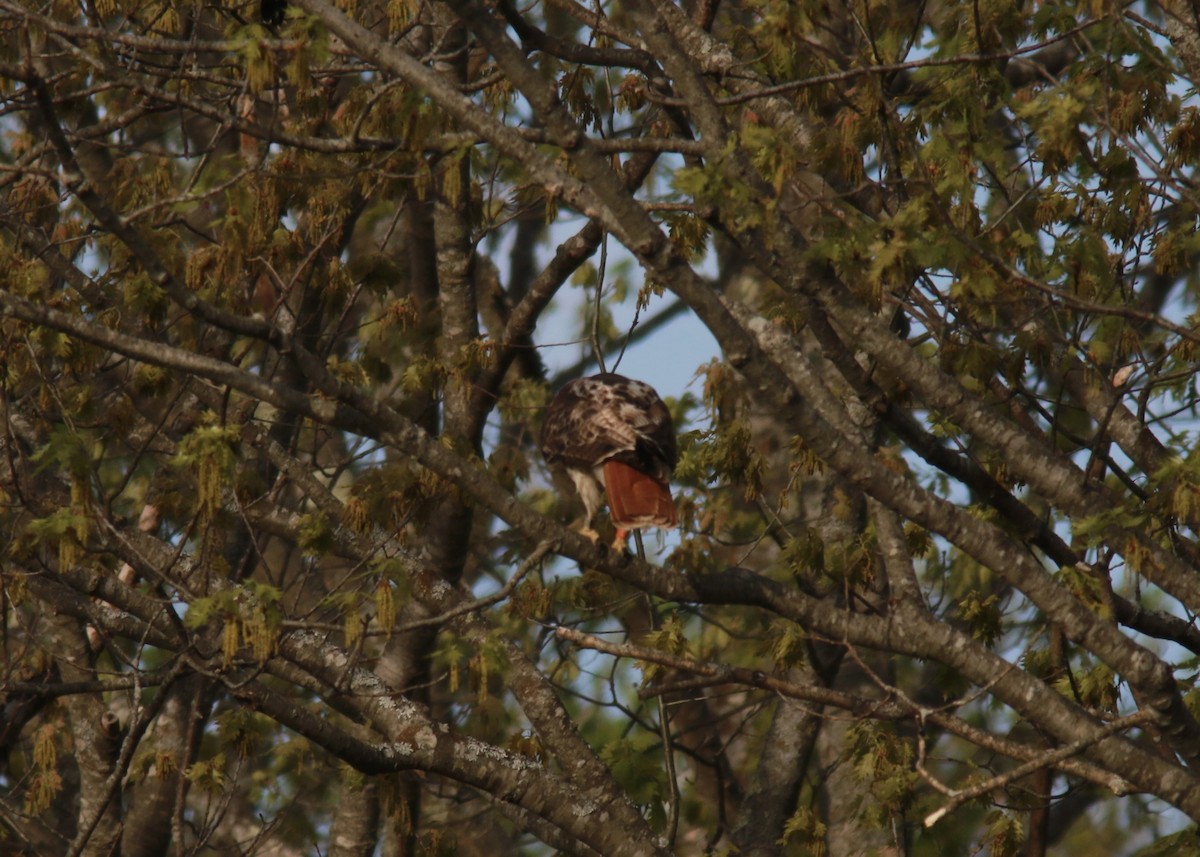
(478, 604)
(597, 351)
(664, 723)
(889, 707)
(1063, 752)
(846, 75)
(140, 719)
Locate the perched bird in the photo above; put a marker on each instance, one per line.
(613, 436)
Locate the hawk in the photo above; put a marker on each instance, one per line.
(613, 436)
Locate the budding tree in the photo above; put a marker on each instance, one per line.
(283, 569)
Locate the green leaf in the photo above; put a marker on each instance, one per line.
(637, 764)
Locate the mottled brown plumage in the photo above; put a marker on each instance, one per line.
(613, 436)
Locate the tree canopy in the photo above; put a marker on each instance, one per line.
(283, 570)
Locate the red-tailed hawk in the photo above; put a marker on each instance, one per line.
(613, 436)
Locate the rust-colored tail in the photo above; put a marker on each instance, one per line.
(637, 500)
